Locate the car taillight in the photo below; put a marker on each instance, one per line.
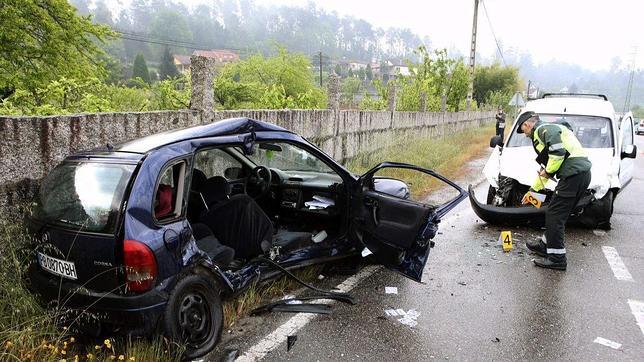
(140, 266)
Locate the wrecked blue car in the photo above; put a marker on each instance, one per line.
(150, 235)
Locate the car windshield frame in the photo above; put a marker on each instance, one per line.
(519, 140)
(253, 159)
(107, 221)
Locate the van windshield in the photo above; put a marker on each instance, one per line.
(592, 132)
(86, 195)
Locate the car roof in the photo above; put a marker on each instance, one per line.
(226, 127)
(572, 105)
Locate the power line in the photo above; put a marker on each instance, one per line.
(494, 35)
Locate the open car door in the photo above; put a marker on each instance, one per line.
(393, 223)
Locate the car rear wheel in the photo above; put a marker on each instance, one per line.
(194, 315)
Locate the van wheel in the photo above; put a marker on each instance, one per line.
(194, 315)
(607, 203)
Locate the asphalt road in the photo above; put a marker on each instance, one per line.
(477, 302)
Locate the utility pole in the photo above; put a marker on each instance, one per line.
(527, 94)
(472, 56)
(629, 88)
(320, 69)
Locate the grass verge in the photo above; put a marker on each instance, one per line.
(445, 155)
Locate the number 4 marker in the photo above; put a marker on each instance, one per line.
(505, 239)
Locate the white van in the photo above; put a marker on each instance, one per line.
(607, 137)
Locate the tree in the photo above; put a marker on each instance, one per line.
(369, 72)
(167, 69)
(140, 69)
(281, 81)
(44, 40)
(495, 79)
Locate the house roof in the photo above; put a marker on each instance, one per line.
(219, 54)
(182, 59)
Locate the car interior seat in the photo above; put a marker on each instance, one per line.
(163, 203)
(239, 222)
(208, 243)
(196, 203)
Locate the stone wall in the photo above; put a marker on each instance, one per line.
(31, 146)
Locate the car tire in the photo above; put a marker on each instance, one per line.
(194, 315)
(491, 192)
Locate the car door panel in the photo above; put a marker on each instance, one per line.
(626, 165)
(397, 231)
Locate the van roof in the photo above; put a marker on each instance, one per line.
(572, 105)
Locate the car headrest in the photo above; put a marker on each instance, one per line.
(215, 189)
(198, 179)
(164, 201)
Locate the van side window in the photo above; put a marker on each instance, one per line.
(169, 195)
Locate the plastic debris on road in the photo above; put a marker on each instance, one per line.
(366, 252)
(407, 318)
(391, 290)
(290, 341)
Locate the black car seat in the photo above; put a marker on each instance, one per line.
(208, 243)
(239, 222)
(196, 205)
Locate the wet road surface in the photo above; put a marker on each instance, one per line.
(477, 302)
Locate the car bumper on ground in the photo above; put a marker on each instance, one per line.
(589, 212)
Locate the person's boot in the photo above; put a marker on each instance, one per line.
(552, 261)
(537, 246)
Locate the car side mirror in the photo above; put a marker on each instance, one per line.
(630, 151)
(496, 141)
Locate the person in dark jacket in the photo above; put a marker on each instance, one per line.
(560, 155)
(500, 122)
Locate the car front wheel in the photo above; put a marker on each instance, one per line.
(194, 315)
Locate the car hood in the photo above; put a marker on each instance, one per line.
(518, 163)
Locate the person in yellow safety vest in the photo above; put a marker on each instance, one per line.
(560, 155)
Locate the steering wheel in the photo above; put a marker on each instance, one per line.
(260, 177)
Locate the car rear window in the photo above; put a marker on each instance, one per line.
(85, 195)
(592, 132)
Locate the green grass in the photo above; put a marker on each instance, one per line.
(444, 155)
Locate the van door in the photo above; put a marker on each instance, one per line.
(626, 164)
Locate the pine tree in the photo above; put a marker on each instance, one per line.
(167, 69)
(369, 72)
(141, 68)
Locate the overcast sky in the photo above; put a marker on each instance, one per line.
(585, 32)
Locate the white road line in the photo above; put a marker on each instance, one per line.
(278, 336)
(607, 343)
(616, 264)
(637, 308)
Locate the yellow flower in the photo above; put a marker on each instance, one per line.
(72, 340)
(64, 344)
(121, 357)
(90, 356)
(112, 357)
(62, 360)
(97, 347)
(107, 342)
(8, 344)
(63, 352)
(132, 359)
(76, 358)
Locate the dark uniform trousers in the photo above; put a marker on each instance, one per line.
(567, 193)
